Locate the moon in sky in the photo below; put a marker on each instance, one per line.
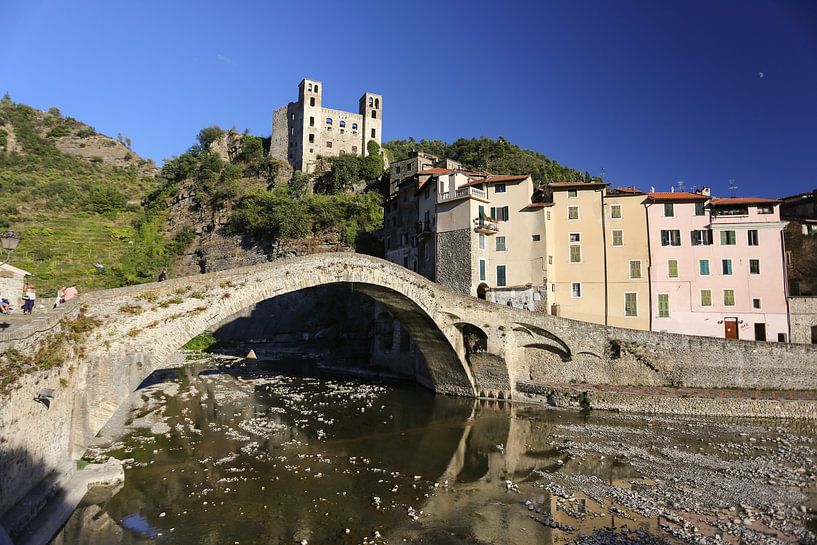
(761, 75)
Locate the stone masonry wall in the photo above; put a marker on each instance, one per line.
(453, 258)
(803, 311)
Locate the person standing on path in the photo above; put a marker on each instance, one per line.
(163, 274)
(60, 297)
(29, 299)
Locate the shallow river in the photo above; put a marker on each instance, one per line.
(218, 453)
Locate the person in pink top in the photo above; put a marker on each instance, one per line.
(70, 292)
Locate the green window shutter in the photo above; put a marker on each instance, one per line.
(672, 268)
(663, 305)
(706, 298)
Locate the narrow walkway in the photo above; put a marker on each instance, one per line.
(703, 393)
(16, 326)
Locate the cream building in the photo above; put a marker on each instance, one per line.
(474, 232)
(597, 255)
(305, 130)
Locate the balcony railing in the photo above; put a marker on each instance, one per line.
(462, 192)
(486, 226)
(423, 228)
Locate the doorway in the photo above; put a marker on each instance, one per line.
(814, 334)
(730, 328)
(482, 291)
(760, 332)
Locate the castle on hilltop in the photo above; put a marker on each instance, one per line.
(304, 130)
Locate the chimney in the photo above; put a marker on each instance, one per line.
(706, 191)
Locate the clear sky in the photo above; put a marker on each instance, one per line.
(654, 92)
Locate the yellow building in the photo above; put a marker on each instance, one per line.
(597, 256)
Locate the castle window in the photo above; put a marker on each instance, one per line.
(328, 120)
(371, 101)
(316, 88)
(311, 101)
(377, 103)
(311, 138)
(354, 126)
(309, 87)
(311, 121)
(374, 133)
(342, 123)
(374, 114)
(292, 116)
(329, 144)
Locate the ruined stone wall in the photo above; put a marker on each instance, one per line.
(803, 312)
(452, 255)
(279, 141)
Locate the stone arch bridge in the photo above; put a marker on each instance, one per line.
(470, 348)
(141, 326)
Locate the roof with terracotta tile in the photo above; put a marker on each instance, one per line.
(436, 171)
(742, 200)
(497, 179)
(627, 190)
(678, 196)
(577, 185)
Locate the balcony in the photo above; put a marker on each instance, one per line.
(423, 228)
(486, 226)
(461, 193)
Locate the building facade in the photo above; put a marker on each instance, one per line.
(597, 260)
(473, 232)
(305, 130)
(717, 266)
(800, 211)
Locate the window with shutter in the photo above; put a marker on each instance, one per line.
(663, 305)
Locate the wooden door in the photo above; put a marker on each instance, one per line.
(730, 327)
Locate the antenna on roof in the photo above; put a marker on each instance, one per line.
(602, 174)
(680, 185)
(732, 187)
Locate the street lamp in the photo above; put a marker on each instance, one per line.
(10, 242)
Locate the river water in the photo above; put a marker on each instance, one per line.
(217, 452)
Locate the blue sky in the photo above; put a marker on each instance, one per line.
(654, 92)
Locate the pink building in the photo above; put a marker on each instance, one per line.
(717, 266)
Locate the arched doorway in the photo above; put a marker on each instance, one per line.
(482, 291)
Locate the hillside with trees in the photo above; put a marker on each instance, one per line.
(72, 195)
(91, 211)
(496, 156)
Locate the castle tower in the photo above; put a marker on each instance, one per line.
(309, 99)
(371, 108)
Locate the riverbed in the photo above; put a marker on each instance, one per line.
(223, 451)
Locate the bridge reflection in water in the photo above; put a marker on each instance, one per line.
(266, 458)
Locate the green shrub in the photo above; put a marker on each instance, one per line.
(201, 342)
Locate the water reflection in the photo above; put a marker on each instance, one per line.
(259, 456)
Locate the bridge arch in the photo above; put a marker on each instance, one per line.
(406, 296)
